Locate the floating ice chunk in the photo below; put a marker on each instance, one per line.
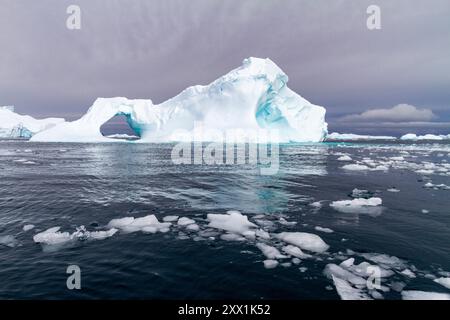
(365, 269)
(295, 252)
(305, 241)
(355, 167)
(400, 158)
(233, 222)
(408, 273)
(376, 295)
(8, 241)
(443, 281)
(384, 260)
(341, 273)
(262, 234)
(317, 204)
(121, 222)
(348, 292)
(148, 224)
(358, 205)
(422, 295)
(296, 261)
(321, 229)
(101, 235)
(345, 158)
(270, 264)
(192, 227)
(170, 218)
(425, 171)
(441, 186)
(270, 252)
(28, 227)
(52, 236)
(184, 221)
(284, 222)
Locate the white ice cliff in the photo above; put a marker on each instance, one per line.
(253, 97)
(13, 125)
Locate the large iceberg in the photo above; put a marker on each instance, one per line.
(253, 98)
(13, 125)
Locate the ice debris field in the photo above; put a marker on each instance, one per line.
(350, 272)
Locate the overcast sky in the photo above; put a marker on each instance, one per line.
(156, 48)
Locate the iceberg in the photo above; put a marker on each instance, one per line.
(13, 125)
(254, 97)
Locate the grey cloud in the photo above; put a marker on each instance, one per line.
(156, 48)
(398, 113)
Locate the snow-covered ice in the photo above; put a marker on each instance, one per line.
(270, 264)
(322, 229)
(170, 218)
(8, 240)
(233, 222)
(348, 292)
(305, 241)
(28, 227)
(54, 237)
(359, 205)
(269, 251)
(147, 224)
(423, 295)
(344, 158)
(443, 281)
(295, 252)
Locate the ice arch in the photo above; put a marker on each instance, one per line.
(254, 97)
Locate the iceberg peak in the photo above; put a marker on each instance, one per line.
(253, 96)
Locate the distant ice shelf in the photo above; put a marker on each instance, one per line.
(253, 98)
(350, 137)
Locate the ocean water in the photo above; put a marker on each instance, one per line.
(73, 185)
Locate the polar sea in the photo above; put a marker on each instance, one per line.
(69, 185)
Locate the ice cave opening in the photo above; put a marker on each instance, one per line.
(118, 127)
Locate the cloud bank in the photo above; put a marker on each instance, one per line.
(398, 113)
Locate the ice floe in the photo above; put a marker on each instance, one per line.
(306, 241)
(233, 222)
(270, 264)
(344, 158)
(54, 237)
(443, 281)
(369, 206)
(8, 241)
(28, 227)
(423, 295)
(270, 252)
(147, 224)
(322, 229)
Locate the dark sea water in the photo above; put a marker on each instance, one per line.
(70, 185)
